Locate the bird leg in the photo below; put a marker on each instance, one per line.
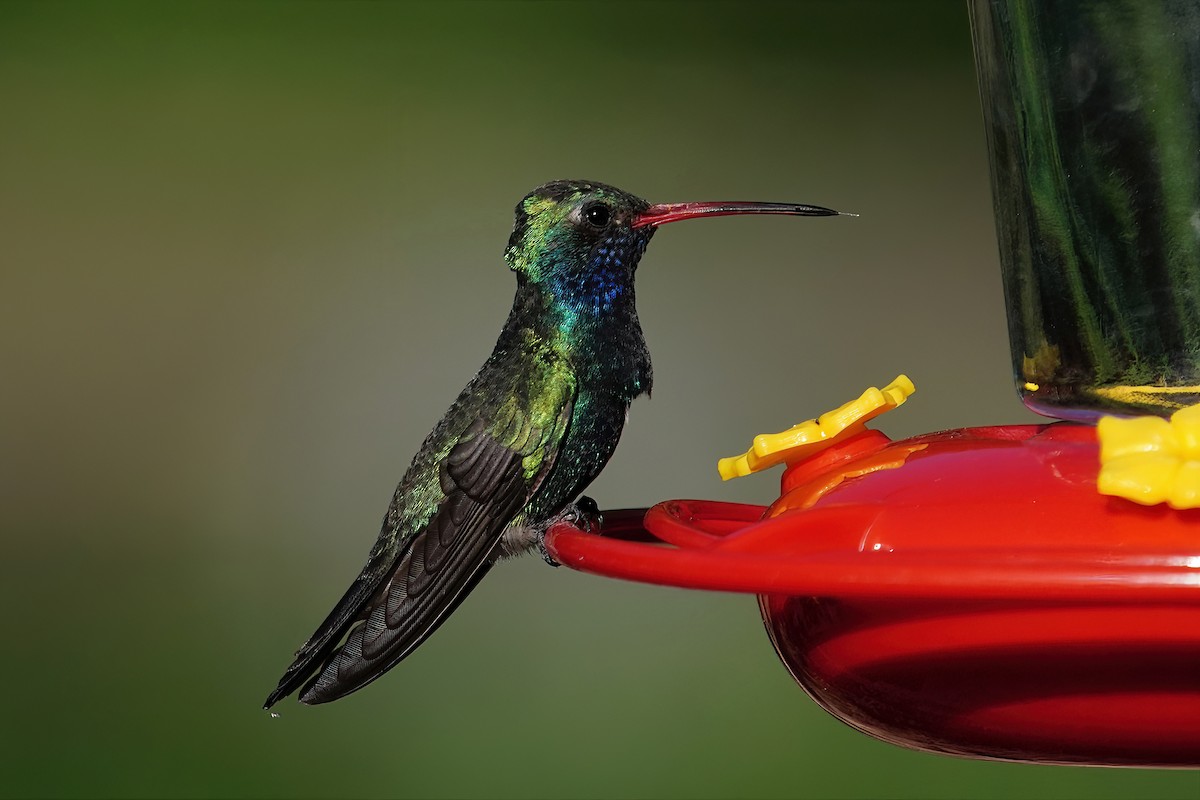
(517, 540)
(583, 514)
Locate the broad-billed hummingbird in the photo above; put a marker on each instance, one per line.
(526, 436)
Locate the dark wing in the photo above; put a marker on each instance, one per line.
(489, 474)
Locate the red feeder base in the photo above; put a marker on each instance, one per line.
(966, 592)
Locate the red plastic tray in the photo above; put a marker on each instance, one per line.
(966, 592)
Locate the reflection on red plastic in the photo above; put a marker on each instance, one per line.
(978, 597)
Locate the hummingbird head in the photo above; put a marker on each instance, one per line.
(581, 241)
(578, 240)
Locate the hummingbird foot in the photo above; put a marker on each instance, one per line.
(583, 514)
(544, 553)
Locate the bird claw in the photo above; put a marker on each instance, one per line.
(545, 554)
(583, 514)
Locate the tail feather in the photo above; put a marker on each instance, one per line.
(342, 673)
(313, 655)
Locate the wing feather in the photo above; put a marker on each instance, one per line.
(411, 584)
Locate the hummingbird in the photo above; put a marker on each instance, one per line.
(530, 431)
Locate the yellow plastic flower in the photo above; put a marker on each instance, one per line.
(1150, 460)
(813, 436)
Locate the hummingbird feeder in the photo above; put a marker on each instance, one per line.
(1018, 592)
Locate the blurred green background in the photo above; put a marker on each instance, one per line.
(251, 251)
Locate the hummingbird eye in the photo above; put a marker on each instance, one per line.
(597, 215)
